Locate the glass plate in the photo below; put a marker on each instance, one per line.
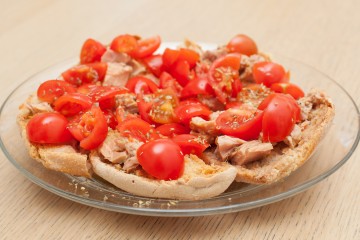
(335, 149)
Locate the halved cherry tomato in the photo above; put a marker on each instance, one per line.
(161, 159)
(124, 44)
(154, 64)
(48, 128)
(169, 57)
(162, 109)
(181, 72)
(172, 129)
(141, 84)
(105, 96)
(167, 81)
(89, 128)
(187, 110)
(199, 85)
(233, 104)
(146, 47)
(288, 88)
(189, 56)
(121, 115)
(242, 44)
(50, 90)
(191, 144)
(280, 114)
(223, 74)
(136, 128)
(111, 120)
(72, 103)
(144, 104)
(86, 73)
(241, 123)
(91, 51)
(269, 73)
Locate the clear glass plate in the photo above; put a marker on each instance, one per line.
(335, 149)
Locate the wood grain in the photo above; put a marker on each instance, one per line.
(325, 34)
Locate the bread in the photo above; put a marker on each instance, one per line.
(199, 180)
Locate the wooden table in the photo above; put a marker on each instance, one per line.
(325, 34)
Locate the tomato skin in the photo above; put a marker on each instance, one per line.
(124, 44)
(72, 103)
(111, 119)
(172, 129)
(269, 73)
(86, 73)
(161, 159)
(199, 85)
(181, 72)
(187, 110)
(288, 88)
(154, 64)
(91, 51)
(146, 47)
(233, 104)
(169, 57)
(50, 90)
(48, 128)
(89, 128)
(188, 55)
(141, 84)
(136, 128)
(105, 96)
(190, 144)
(240, 123)
(222, 74)
(242, 44)
(167, 81)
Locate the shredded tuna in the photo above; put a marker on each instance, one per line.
(247, 63)
(249, 152)
(128, 102)
(312, 99)
(113, 57)
(117, 74)
(226, 144)
(138, 68)
(213, 103)
(201, 125)
(210, 157)
(214, 54)
(37, 106)
(294, 138)
(253, 97)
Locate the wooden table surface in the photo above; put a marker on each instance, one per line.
(324, 33)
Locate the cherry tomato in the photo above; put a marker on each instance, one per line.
(154, 64)
(91, 51)
(181, 72)
(136, 128)
(187, 110)
(89, 128)
(189, 56)
(242, 44)
(86, 73)
(105, 96)
(72, 103)
(48, 128)
(121, 115)
(169, 57)
(288, 88)
(111, 120)
(161, 159)
(191, 144)
(223, 74)
(240, 123)
(233, 104)
(172, 129)
(141, 84)
(146, 47)
(269, 73)
(144, 108)
(86, 89)
(199, 85)
(50, 90)
(162, 109)
(124, 44)
(167, 81)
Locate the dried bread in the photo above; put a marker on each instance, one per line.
(199, 180)
(318, 112)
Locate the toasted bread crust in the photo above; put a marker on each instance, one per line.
(199, 180)
(63, 158)
(277, 166)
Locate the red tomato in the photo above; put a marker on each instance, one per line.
(242, 44)
(288, 88)
(105, 96)
(223, 74)
(240, 123)
(72, 103)
(169, 57)
(91, 51)
(172, 129)
(199, 85)
(111, 120)
(269, 73)
(191, 144)
(144, 107)
(181, 72)
(146, 47)
(124, 44)
(154, 64)
(121, 115)
(141, 84)
(189, 56)
(86, 89)
(162, 109)
(161, 159)
(50, 90)
(187, 110)
(233, 104)
(167, 81)
(136, 128)
(48, 128)
(86, 73)
(89, 128)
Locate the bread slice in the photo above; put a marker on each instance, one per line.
(63, 158)
(199, 181)
(318, 111)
